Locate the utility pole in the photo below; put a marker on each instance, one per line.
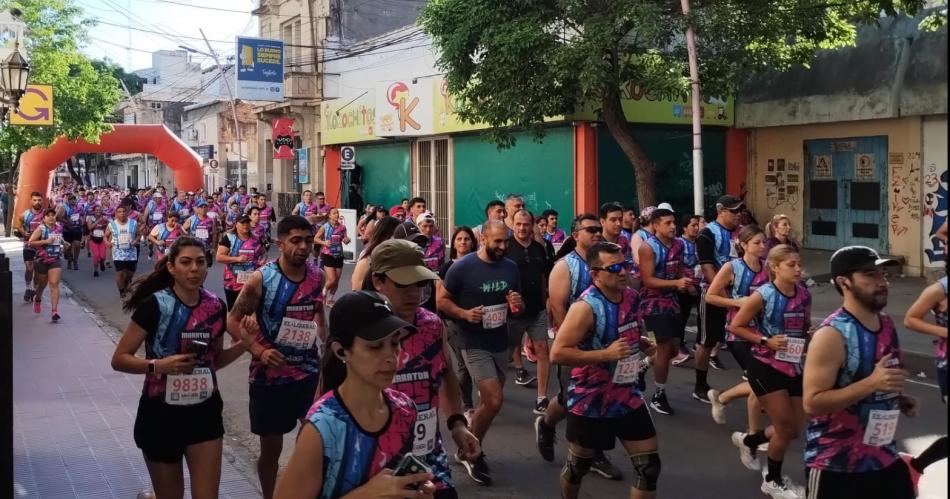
(697, 115)
(242, 180)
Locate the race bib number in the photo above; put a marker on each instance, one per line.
(494, 316)
(57, 239)
(424, 432)
(296, 333)
(243, 276)
(793, 352)
(189, 389)
(627, 369)
(202, 233)
(185, 212)
(74, 217)
(157, 217)
(557, 246)
(98, 233)
(882, 424)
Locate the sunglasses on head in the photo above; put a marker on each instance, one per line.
(592, 229)
(615, 268)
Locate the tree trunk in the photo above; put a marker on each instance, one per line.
(619, 129)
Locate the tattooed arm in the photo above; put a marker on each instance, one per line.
(245, 305)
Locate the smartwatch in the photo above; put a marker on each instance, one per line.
(151, 366)
(762, 341)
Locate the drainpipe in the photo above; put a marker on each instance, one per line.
(697, 115)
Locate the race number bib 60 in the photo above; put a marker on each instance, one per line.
(627, 369)
(424, 432)
(296, 333)
(189, 389)
(202, 233)
(882, 424)
(494, 316)
(793, 352)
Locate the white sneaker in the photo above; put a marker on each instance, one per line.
(777, 490)
(787, 483)
(718, 409)
(749, 460)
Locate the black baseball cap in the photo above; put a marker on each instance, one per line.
(410, 232)
(364, 314)
(243, 219)
(856, 259)
(729, 202)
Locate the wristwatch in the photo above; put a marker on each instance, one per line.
(762, 341)
(151, 366)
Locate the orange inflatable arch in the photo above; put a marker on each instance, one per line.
(37, 164)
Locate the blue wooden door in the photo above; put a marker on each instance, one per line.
(846, 193)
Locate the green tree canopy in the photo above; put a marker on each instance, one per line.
(511, 63)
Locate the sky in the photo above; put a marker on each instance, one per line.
(180, 20)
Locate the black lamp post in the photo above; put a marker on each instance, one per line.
(14, 76)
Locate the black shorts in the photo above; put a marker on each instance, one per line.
(742, 352)
(230, 296)
(29, 253)
(602, 433)
(275, 409)
(712, 323)
(163, 431)
(125, 265)
(687, 302)
(209, 258)
(664, 327)
(563, 381)
(333, 262)
(942, 380)
(893, 482)
(72, 235)
(765, 380)
(41, 267)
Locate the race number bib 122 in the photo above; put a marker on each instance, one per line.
(424, 432)
(296, 333)
(627, 369)
(793, 352)
(189, 389)
(882, 424)
(494, 316)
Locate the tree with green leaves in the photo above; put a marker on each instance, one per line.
(512, 63)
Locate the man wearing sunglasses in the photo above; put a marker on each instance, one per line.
(715, 248)
(600, 338)
(569, 278)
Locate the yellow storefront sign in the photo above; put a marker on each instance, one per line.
(36, 107)
(348, 120)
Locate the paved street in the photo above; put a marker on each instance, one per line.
(696, 453)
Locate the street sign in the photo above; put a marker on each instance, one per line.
(303, 166)
(347, 158)
(260, 74)
(213, 163)
(36, 107)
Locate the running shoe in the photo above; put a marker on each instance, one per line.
(717, 364)
(681, 359)
(701, 395)
(95, 273)
(603, 467)
(55, 316)
(717, 407)
(914, 474)
(747, 456)
(545, 437)
(527, 350)
(777, 490)
(478, 470)
(37, 305)
(524, 378)
(28, 295)
(642, 376)
(542, 406)
(798, 490)
(102, 266)
(660, 404)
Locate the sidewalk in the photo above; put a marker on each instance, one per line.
(73, 415)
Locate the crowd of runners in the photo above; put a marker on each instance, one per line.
(373, 379)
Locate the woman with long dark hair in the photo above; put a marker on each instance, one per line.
(360, 429)
(385, 228)
(179, 415)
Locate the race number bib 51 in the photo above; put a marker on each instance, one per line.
(424, 432)
(627, 369)
(494, 316)
(189, 389)
(296, 333)
(882, 424)
(793, 352)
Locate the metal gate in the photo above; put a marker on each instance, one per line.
(432, 179)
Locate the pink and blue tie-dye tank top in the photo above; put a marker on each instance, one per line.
(788, 315)
(250, 247)
(835, 442)
(434, 253)
(645, 236)
(422, 367)
(744, 282)
(579, 273)
(334, 236)
(178, 326)
(351, 455)
(282, 298)
(557, 237)
(941, 319)
(592, 392)
(202, 229)
(50, 253)
(667, 265)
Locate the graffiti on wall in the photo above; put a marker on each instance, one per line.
(934, 211)
(782, 182)
(904, 196)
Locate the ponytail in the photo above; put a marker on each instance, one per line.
(160, 278)
(332, 368)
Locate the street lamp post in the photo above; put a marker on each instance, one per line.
(14, 76)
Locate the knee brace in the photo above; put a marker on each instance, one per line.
(575, 467)
(646, 468)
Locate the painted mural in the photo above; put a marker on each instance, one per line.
(935, 213)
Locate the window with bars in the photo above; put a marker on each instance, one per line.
(432, 179)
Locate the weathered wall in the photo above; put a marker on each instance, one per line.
(904, 176)
(934, 171)
(357, 20)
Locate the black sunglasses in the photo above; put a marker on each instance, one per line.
(592, 229)
(615, 268)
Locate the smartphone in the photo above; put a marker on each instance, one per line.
(199, 348)
(410, 465)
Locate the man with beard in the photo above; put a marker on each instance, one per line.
(853, 379)
(24, 228)
(479, 292)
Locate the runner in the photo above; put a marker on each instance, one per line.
(417, 206)
(331, 236)
(664, 278)
(600, 339)
(398, 212)
(96, 224)
(69, 215)
(241, 253)
(87, 204)
(163, 236)
(630, 223)
(306, 205)
(689, 226)
(361, 278)
(155, 213)
(779, 231)
(494, 210)
(399, 274)
(24, 227)
(569, 278)
(358, 431)
(267, 215)
(322, 209)
(181, 206)
(781, 311)
(285, 296)
(611, 219)
(179, 414)
(202, 227)
(534, 266)
(257, 229)
(715, 249)
(854, 376)
(48, 241)
(434, 250)
(554, 234)
(479, 292)
(120, 236)
(240, 199)
(640, 236)
(463, 243)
